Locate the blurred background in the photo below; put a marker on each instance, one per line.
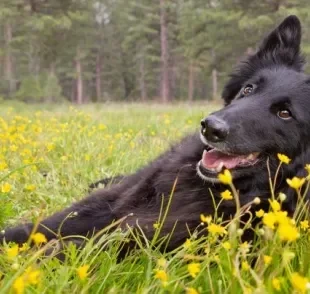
(85, 51)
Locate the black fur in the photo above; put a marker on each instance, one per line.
(276, 72)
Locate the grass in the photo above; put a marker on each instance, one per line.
(48, 157)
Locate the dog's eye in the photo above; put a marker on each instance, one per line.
(284, 114)
(248, 89)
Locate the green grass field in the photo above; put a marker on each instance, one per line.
(49, 156)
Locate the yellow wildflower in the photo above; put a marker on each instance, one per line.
(267, 259)
(206, 219)
(29, 277)
(226, 245)
(50, 147)
(304, 225)
(19, 285)
(307, 168)
(32, 276)
(282, 218)
(30, 187)
(269, 220)
(283, 158)
(260, 213)
(193, 269)
(245, 266)
(6, 188)
(226, 195)
(288, 232)
(82, 272)
(215, 229)
(38, 238)
(161, 275)
(191, 291)
(276, 284)
(101, 127)
(12, 252)
(295, 182)
(187, 244)
(275, 205)
(299, 282)
(225, 177)
(3, 166)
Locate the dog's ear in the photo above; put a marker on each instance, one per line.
(280, 47)
(284, 40)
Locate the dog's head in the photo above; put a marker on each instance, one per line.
(267, 109)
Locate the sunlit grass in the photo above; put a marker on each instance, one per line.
(48, 157)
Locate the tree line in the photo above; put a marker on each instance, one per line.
(130, 50)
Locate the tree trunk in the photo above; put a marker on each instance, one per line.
(98, 78)
(142, 79)
(191, 82)
(51, 75)
(79, 79)
(8, 62)
(165, 86)
(214, 84)
(73, 91)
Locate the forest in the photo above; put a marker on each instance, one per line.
(129, 50)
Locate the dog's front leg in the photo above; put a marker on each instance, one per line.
(83, 218)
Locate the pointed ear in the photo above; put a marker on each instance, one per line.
(280, 47)
(285, 39)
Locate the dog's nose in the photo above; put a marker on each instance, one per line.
(214, 129)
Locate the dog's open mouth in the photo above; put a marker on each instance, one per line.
(216, 160)
(213, 161)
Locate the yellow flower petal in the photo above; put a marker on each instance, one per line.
(82, 272)
(283, 158)
(215, 229)
(38, 238)
(267, 259)
(295, 182)
(226, 195)
(288, 232)
(193, 269)
(206, 219)
(304, 225)
(299, 282)
(275, 205)
(276, 284)
(12, 252)
(19, 285)
(161, 275)
(191, 291)
(225, 177)
(260, 213)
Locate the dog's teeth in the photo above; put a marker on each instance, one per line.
(219, 167)
(250, 157)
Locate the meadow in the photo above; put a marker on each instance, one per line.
(50, 154)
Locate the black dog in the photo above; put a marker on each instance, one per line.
(267, 111)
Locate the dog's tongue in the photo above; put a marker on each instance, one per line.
(214, 158)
